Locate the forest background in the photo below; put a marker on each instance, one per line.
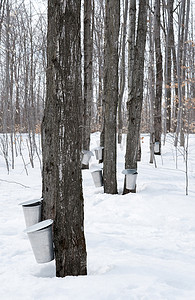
(23, 37)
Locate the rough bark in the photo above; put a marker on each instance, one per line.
(64, 63)
(151, 86)
(168, 62)
(111, 93)
(134, 104)
(88, 91)
(184, 73)
(131, 42)
(174, 59)
(159, 77)
(179, 73)
(49, 138)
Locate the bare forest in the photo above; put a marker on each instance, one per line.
(168, 71)
(71, 69)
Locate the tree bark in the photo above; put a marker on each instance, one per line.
(184, 73)
(159, 77)
(64, 67)
(134, 104)
(168, 66)
(88, 90)
(111, 93)
(122, 74)
(49, 138)
(173, 51)
(151, 85)
(179, 73)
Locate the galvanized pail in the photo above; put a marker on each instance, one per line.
(86, 157)
(98, 152)
(40, 236)
(156, 147)
(131, 177)
(97, 178)
(32, 211)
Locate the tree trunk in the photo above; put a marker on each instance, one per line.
(49, 138)
(64, 136)
(88, 91)
(122, 74)
(111, 93)
(6, 102)
(131, 40)
(168, 67)
(179, 73)
(134, 104)
(173, 51)
(184, 73)
(159, 77)
(151, 86)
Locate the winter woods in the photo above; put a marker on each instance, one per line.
(168, 82)
(109, 66)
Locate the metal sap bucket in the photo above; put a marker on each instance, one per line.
(156, 147)
(86, 157)
(98, 152)
(131, 177)
(40, 236)
(32, 211)
(97, 178)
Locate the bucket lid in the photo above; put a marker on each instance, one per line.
(89, 153)
(38, 226)
(29, 202)
(129, 171)
(99, 170)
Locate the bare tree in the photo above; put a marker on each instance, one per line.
(135, 98)
(151, 79)
(64, 136)
(88, 89)
(112, 24)
(179, 69)
(122, 72)
(159, 77)
(168, 65)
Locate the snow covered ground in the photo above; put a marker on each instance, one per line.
(140, 246)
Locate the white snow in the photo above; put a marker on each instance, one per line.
(139, 246)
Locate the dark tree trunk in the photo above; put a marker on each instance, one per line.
(111, 93)
(49, 138)
(184, 73)
(174, 59)
(88, 91)
(179, 69)
(134, 104)
(159, 78)
(64, 63)
(151, 79)
(168, 66)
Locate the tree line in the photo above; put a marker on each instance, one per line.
(168, 82)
